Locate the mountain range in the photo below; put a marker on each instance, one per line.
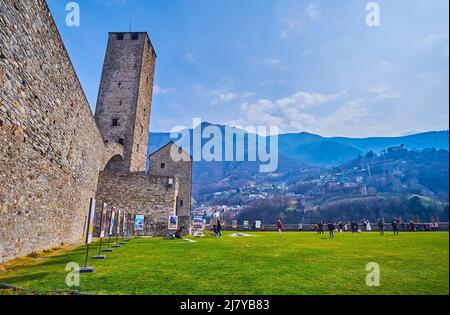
(308, 148)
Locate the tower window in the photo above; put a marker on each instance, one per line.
(163, 165)
(119, 84)
(137, 148)
(115, 122)
(120, 36)
(121, 141)
(142, 129)
(181, 203)
(135, 36)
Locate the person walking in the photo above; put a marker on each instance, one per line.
(395, 226)
(341, 227)
(279, 227)
(219, 229)
(381, 226)
(331, 229)
(320, 225)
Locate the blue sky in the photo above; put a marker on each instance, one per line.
(301, 65)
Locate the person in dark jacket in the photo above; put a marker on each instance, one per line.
(219, 229)
(395, 226)
(320, 226)
(381, 226)
(331, 229)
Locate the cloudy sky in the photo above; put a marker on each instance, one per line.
(301, 65)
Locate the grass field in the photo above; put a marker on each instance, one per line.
(296, 263)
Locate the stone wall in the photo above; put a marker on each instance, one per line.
(50, 148)
(138, 193)
(161, 163)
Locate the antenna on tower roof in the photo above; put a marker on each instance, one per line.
(130, 26)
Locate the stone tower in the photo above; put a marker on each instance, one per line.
(124, 99)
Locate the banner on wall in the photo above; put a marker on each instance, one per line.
(124, 223)
(139, 223)
(103, 220)
(112, 221)
(234, 224)
(119, 223)
(90, 222)
(258, 224)
(198, 222)
(245, 224)
(173, 222)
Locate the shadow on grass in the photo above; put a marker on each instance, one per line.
(22, 278)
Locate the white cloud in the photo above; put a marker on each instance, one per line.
(272, 82)
(386, 66)
(290, 26)
(304, 111)
(383, 92)
(157, 90)
(271, 61)
(306, 52)
(223, 97)
(287, 113)
(189, 57)
(312, 12)
(432, 40)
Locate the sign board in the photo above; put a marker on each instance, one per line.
(245, 224)
(119, 223)
(198, 222)
(112, 221)
(234, 224)
(173, 222)
(124, 223)
(90, 222)
(103, 220)
(258, 224)
(139, 223)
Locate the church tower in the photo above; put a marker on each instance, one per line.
(124, 99)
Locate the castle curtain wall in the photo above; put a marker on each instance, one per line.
(50, 148)
(139, 194)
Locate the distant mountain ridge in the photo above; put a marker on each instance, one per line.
(314, 149)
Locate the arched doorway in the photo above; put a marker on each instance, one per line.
(115, 164)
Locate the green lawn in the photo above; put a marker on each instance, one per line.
(296, 263)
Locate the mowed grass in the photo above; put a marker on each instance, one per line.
(296, 263)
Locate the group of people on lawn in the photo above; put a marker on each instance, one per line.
(341, 227)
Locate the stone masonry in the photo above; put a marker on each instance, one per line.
(161, 163)
(53, 153)
(137, 193)
(124, 100)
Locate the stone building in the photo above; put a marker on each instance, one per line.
(54, 154)
(162, 164)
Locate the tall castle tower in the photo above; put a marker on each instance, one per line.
(124, 99)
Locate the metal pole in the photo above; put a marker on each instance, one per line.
(100, 249)
(87, 256)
